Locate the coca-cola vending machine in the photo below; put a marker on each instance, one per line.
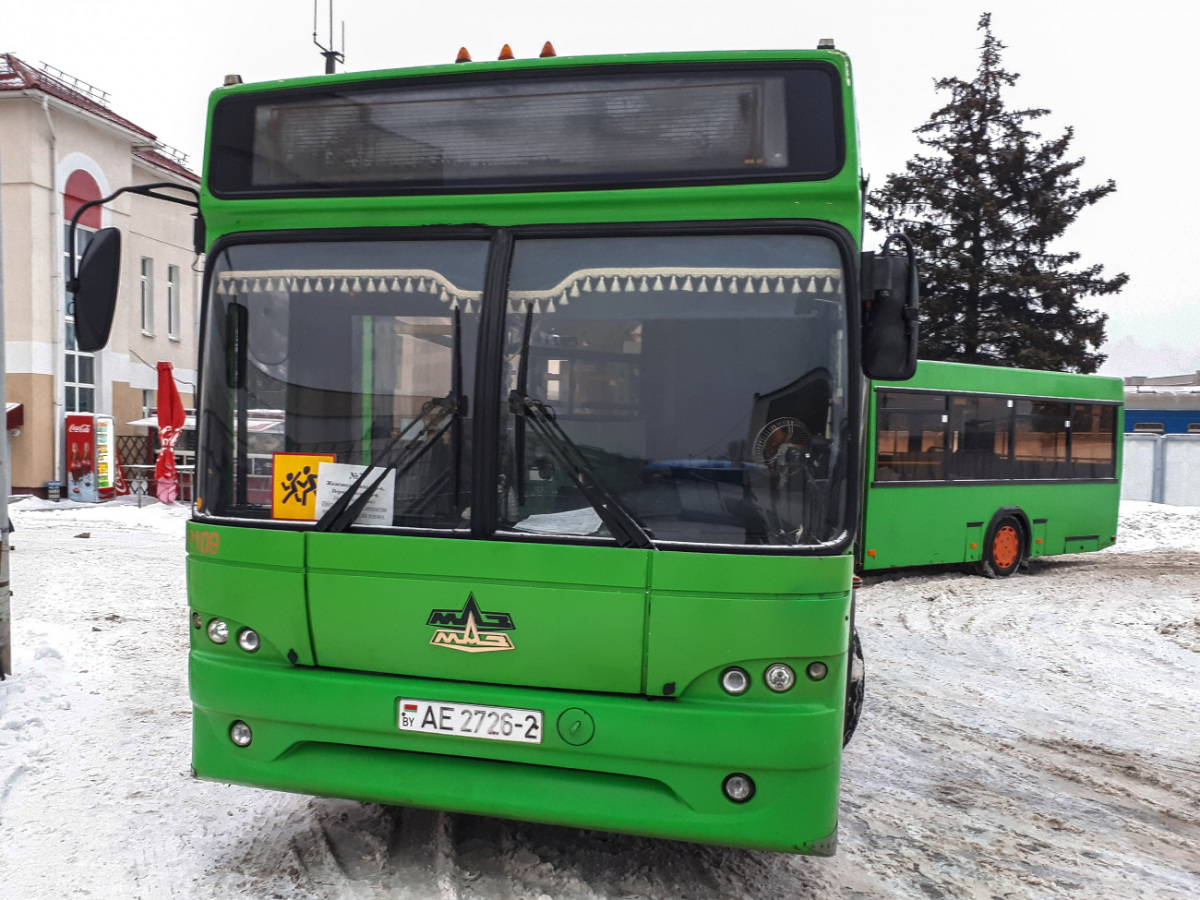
(89, 457)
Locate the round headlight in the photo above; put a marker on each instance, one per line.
(779, 677)
(197, 620)
(738, 788)
(248, 640)
(735, 681)
(240, 734)
(817, 670)
(218, 631)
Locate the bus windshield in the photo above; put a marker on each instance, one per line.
(698, 380)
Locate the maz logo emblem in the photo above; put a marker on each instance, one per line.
(472, 630)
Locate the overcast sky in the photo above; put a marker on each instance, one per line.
(1123, 74)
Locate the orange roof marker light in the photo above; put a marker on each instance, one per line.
(463, 55)
(547, 51)
(505, 52)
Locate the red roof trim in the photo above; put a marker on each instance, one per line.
(152, 156)
(16, 75)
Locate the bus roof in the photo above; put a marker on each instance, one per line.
(967, 378)
(836, 58)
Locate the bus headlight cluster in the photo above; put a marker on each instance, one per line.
(218, 633)
(778, 677)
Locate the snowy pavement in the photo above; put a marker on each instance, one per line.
(1030, 737)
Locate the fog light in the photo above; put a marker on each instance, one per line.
(817, 670)
(779, 677)
(218, 631)
(738, 788)
(240, 734)
(197, 620)
(248, 640)
(735, 681)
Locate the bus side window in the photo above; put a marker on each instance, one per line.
(1093, 449)
(1154, 428)
(982, 435)
(1040, 439)
(911, 437)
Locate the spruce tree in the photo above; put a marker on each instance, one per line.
(985, 208)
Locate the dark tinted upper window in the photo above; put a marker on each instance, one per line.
(587, 128)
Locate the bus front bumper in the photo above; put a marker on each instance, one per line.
(651, 767)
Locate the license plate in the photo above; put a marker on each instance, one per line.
(496, 723)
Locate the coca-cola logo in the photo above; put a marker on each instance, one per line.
(79, 429)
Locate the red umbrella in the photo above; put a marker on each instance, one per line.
(170, 423)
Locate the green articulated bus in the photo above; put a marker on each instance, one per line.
(990, 466)
(530, 439)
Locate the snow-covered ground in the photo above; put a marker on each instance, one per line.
(1037, 736)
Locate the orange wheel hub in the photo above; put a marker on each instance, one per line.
(1005, 547)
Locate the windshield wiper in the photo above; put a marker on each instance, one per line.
(620, 522)
(436, 417)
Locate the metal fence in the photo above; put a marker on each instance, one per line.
(1162, 468)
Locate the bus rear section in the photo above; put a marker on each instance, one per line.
(990, 466)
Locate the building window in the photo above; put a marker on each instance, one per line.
(173, 302)
(147, 290)
(79, 369)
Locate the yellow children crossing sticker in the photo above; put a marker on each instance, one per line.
(294, 484)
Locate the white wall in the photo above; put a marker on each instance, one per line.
(1162, 468)
(1137, 471)
(1181, 469)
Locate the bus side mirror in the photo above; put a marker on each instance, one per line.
(890, 302)
(95, 289)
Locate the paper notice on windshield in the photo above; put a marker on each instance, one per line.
(334, 479)
(572, 521)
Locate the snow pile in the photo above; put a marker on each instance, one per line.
(1154, 526)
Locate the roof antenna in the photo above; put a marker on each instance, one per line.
(332, 57)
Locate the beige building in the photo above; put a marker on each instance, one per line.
(60, 146)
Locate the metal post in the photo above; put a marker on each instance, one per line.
(5, 482)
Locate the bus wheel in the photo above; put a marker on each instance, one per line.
(855, 688)
(1004, 550)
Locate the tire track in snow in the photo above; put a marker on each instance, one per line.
(443, 856)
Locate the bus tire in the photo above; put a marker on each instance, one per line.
(1004, 548)
(855, 687)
